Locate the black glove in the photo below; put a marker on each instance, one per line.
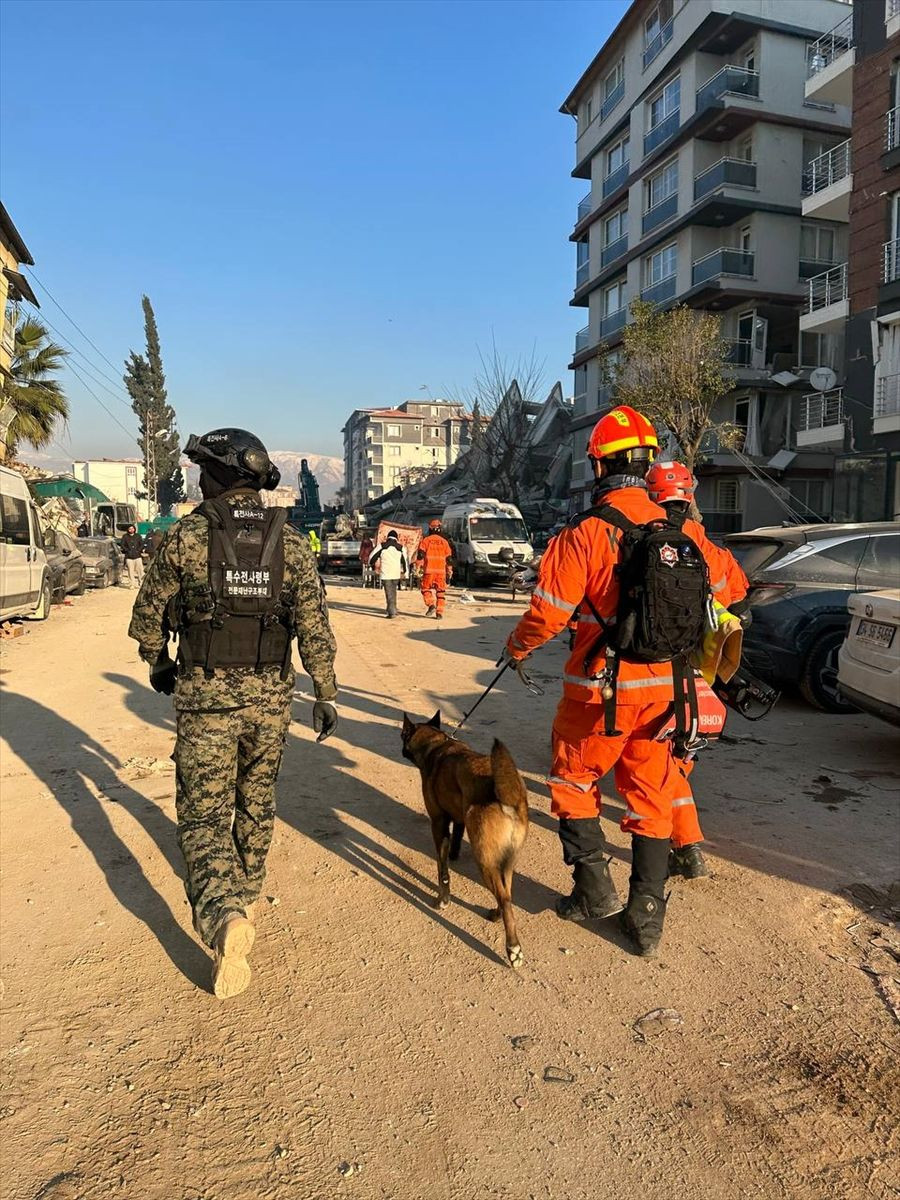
(163, 674)
(325, 719)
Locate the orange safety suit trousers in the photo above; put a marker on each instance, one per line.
(434, 584)
(647, 775)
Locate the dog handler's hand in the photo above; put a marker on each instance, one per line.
(163, 674)
(325, 719)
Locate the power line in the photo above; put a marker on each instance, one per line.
(72, 321)
(111, 415)
(93, 366)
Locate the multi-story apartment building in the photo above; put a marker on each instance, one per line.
(119, 479)
(13, 286)
(694, 129)
(383, 447)
(857, 183)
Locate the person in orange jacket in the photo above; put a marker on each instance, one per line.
(434, 554)
(671, 485)
(579, 571)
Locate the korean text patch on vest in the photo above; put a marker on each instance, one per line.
(257, 583)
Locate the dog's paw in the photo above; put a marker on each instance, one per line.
(515, 956)
(440, 901)
(493, 914)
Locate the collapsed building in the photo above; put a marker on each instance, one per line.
(522, 455)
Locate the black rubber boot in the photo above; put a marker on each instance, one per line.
(688, 861)
(642, 920)
(594, 894)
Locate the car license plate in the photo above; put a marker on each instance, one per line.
(878, 632)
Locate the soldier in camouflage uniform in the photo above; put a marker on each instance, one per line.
(233, 706)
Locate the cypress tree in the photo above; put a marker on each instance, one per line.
(146, 383)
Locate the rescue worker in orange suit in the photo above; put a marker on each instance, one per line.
(581, 567)
(434, 554)
(671, 485)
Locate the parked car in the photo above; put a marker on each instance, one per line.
(103, 561)
(25, 589)
(869, 659)
(801, 580)
(66, 564)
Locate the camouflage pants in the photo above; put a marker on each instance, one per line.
(226, 767)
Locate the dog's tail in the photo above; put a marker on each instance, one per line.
(510, 791)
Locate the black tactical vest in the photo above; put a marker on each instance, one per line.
(244, 618)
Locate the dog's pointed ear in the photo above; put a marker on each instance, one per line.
(408, 726)
(436, 720)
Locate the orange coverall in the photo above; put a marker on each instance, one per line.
(652, 782)
(434, 551)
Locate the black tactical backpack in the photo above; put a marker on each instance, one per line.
(664, 594)
(243, 617)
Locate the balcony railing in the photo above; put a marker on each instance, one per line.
(740, 352)
(828, 288)
(729, 81)
(582, 273)
(612, 322)
(585, 208)
(887, 392)
(658, 293)
(819, 410)
(658, 43)
(582, 339)
(891, 255)
(826, 169)
(659, 212)
(829, 47)
(724, 261)
(892, 9)
(615, 179)
(662, 131)
(612, 100)
(892, 127)
(736, 172)
(613, 251)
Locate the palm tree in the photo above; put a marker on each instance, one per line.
(35, 396)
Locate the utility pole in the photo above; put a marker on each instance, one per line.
(150, 462)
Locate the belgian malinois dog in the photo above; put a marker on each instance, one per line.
(482, 794)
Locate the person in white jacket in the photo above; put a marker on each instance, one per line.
(394, 566)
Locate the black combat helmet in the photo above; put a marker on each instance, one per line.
(238, 451)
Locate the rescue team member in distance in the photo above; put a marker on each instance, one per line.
(671, 485)
(580, 566)
(236, 585)
(435, 553)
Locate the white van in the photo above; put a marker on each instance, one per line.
(483, 532)
(24, 575)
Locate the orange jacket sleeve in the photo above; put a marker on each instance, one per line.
(726, 578)
(560, 589)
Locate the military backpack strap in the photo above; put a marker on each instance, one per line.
(276, 528)
(612, 516)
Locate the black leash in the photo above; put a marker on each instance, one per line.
(534, 688)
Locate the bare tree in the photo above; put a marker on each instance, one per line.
(498, 397)
(674, 369)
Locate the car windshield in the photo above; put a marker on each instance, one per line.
(497, 529)
(753, 553)
(94, 547)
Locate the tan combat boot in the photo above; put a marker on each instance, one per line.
(233, 942)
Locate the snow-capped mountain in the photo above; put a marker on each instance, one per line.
(329, 472)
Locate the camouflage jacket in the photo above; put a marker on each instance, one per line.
(181, 564)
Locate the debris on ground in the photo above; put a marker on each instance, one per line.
(140, 768)
(558, 1075)
(657, 1021)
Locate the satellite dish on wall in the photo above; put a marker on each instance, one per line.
(822, 379)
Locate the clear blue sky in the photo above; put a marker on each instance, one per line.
(329, 204)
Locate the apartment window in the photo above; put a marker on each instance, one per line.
(664, 103)
(817, 244)
(894, 216)
(580, 383)
(614, 79)
(582, 255)
(393, 430)
(617, 155)
(745, 240)
(393, 451)
(615, 227)
(661, 184)
(744, 149)
(654, 23)
(587, 111)
(820, 350)
(747, 57)
(895, 83)
(661, 265)
(435, 431)
(727, 495)
(614, 298)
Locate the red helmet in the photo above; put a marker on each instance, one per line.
(435, 525)
(668, 481)
(620, 431)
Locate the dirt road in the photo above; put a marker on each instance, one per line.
(384, 1049)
